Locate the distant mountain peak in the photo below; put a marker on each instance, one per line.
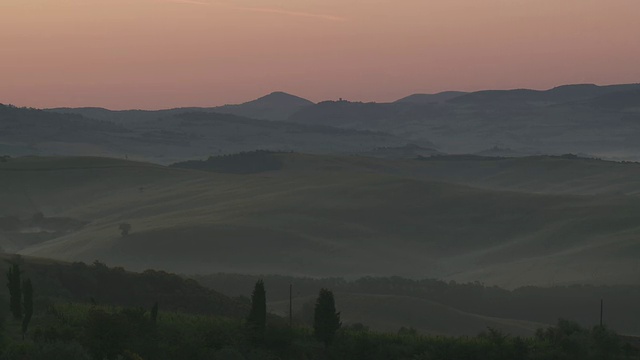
(280, 98)
(277, 105)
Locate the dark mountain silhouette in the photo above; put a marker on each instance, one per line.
(27, 131)
(19, 117)
(556, 121)
(557, 95)
(582, 118)
(431, 98)
(275, 106)
(279, 99)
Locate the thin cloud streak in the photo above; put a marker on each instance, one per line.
(190, 2)
(291, 13)
(261, 10)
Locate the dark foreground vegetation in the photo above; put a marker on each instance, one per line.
(114, 314)
(74, 331)
(580, 303)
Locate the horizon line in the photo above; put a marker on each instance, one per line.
(314, 102)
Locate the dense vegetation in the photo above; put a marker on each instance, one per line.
(98, 284)
(64, 329)
(93, 332)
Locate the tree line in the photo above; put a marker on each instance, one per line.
(77, 331)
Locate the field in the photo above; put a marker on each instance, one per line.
(338, 216)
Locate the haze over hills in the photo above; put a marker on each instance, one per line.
(168, 136)
(597, 120)
(328, 216)
(557, 95)
(601, 121)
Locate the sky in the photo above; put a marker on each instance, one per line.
(152, 54)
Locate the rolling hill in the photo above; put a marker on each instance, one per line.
(557, 95)
(597, 120)
(601, 121)
(431, 98)
(168, 136)
(322, 216)
(275, 106)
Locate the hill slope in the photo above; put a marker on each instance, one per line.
(430, 98)
(169, 136)
(99, 284)
(275, 106)
(323, 221)
(589, 119)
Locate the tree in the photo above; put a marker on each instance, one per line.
(326, 321)
(124, 228)
(28, 305)
(257, 319)
(15, 291)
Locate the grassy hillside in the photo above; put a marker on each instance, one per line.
(317, 217)
(566, 174)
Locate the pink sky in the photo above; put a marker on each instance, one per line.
(166, 53)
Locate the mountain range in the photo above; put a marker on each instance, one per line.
(599, 121)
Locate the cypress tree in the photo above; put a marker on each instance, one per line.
(15, 291)
(257, 319)
(326, 321)
(28, 305)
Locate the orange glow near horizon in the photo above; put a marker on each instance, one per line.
(154, 54)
